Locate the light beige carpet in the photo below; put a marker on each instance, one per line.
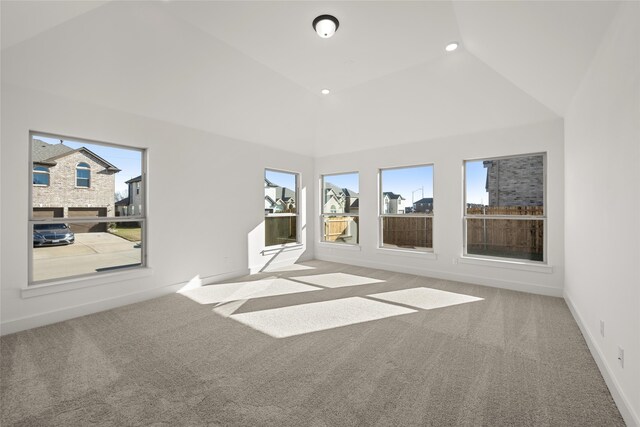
(328, 345)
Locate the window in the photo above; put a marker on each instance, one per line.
(83, 175)
(280, 207)
(84, 233)
(504, 207)
(340, 208)
(406, 208)
(40, 175)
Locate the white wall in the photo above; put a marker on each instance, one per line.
(447, 155)
(602, 233)
(188, 236)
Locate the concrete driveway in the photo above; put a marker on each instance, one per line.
(91, 252)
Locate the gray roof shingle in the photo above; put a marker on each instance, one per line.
(43, 152)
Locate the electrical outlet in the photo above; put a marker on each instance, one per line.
(621, 356)
(602, 328)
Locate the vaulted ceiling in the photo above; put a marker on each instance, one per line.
(254, 70)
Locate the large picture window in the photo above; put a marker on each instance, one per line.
(89, 220)
(340, 208)
(280, 207)
(406, 208)
(505, 207)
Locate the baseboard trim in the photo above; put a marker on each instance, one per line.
(60, 315)
(626, 410)
(467, 278)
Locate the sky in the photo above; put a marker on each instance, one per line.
(411, 183)
(345, 180)
(476, 177)
(128, 161)
(282, 179)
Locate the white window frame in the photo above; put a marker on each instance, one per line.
(349, 214)
(286, 214)
(84, 168)
(543, 218)
(47, 173)
(382, 215)
(141, 218)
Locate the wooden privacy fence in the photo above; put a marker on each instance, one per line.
(506, 237)
(407, 231)
(279, 230)
(506, 210)
(338, 228)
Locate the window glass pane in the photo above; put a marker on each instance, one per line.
(40, 178)
(280, 208)
(407, 232)
(505, 186)
(109, 171)
(509, 238)
(407, 190)
(341, 193)
(280, 230)
(69, 249)
(341, 229)
(279, 192)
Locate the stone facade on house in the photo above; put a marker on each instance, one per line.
(516, 181)
(62, 192)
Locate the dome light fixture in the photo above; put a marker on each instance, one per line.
(325, 91)
(326, 25)
(451, 47)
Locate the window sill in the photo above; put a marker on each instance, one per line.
(408, 252)
(74, 283)
(513, 265)
(284, 248)
(347, 246)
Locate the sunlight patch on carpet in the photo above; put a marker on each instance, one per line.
(337, 280)
(426, 298)
(318, 316)
(224, 292)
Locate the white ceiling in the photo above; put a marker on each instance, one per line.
(253, 70)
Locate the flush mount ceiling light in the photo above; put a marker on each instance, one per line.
(451, 47)
(325, 91)
(325, 25)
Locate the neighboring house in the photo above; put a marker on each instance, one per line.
(424, 205)
(132, 204)
(71, 183)
(340, 200)
(393, 203)
(516, 181)
(278, 199)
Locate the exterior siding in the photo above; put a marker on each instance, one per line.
(62, 190)
(517, 181)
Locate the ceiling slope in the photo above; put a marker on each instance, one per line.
(22, 20)
(453, 95)
(544, 47)
(374, 38)
(136, 57)
(253, 70)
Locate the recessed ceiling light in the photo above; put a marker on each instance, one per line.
(325, 25)
(451, 47)
(325, 91)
